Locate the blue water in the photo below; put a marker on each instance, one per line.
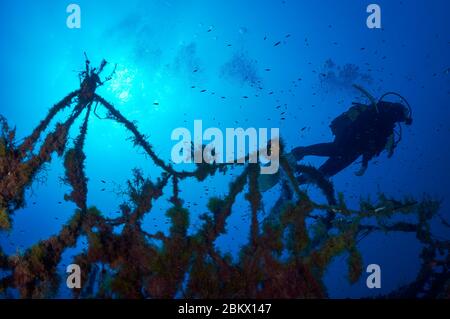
(157, 45)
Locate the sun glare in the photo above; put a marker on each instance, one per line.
(122, 83)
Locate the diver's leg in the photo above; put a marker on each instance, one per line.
(335, 164)
(322, 149)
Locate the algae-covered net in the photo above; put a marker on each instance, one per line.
(285, 256)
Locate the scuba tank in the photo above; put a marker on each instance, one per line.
(341, 124)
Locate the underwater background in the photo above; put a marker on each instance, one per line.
(168, 52)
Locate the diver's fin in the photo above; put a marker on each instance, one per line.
(268, 181)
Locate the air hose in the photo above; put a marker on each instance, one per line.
(368, 95)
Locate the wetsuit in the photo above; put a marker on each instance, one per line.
(362, 131)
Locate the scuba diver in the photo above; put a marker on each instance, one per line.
(363, 130)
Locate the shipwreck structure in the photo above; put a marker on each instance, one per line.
(284, 257)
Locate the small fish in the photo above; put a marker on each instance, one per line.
(303, 128)
(245, 97)
(202, 91)
(103, 181)
(277, 44)
(288, 36)
(267, 70)
(156, 103)
(195, 71)
(103, 189)
(193, 87)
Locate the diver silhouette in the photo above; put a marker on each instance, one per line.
(363, 130)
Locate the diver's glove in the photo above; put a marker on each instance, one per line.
(361, 171)
(365, 163)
